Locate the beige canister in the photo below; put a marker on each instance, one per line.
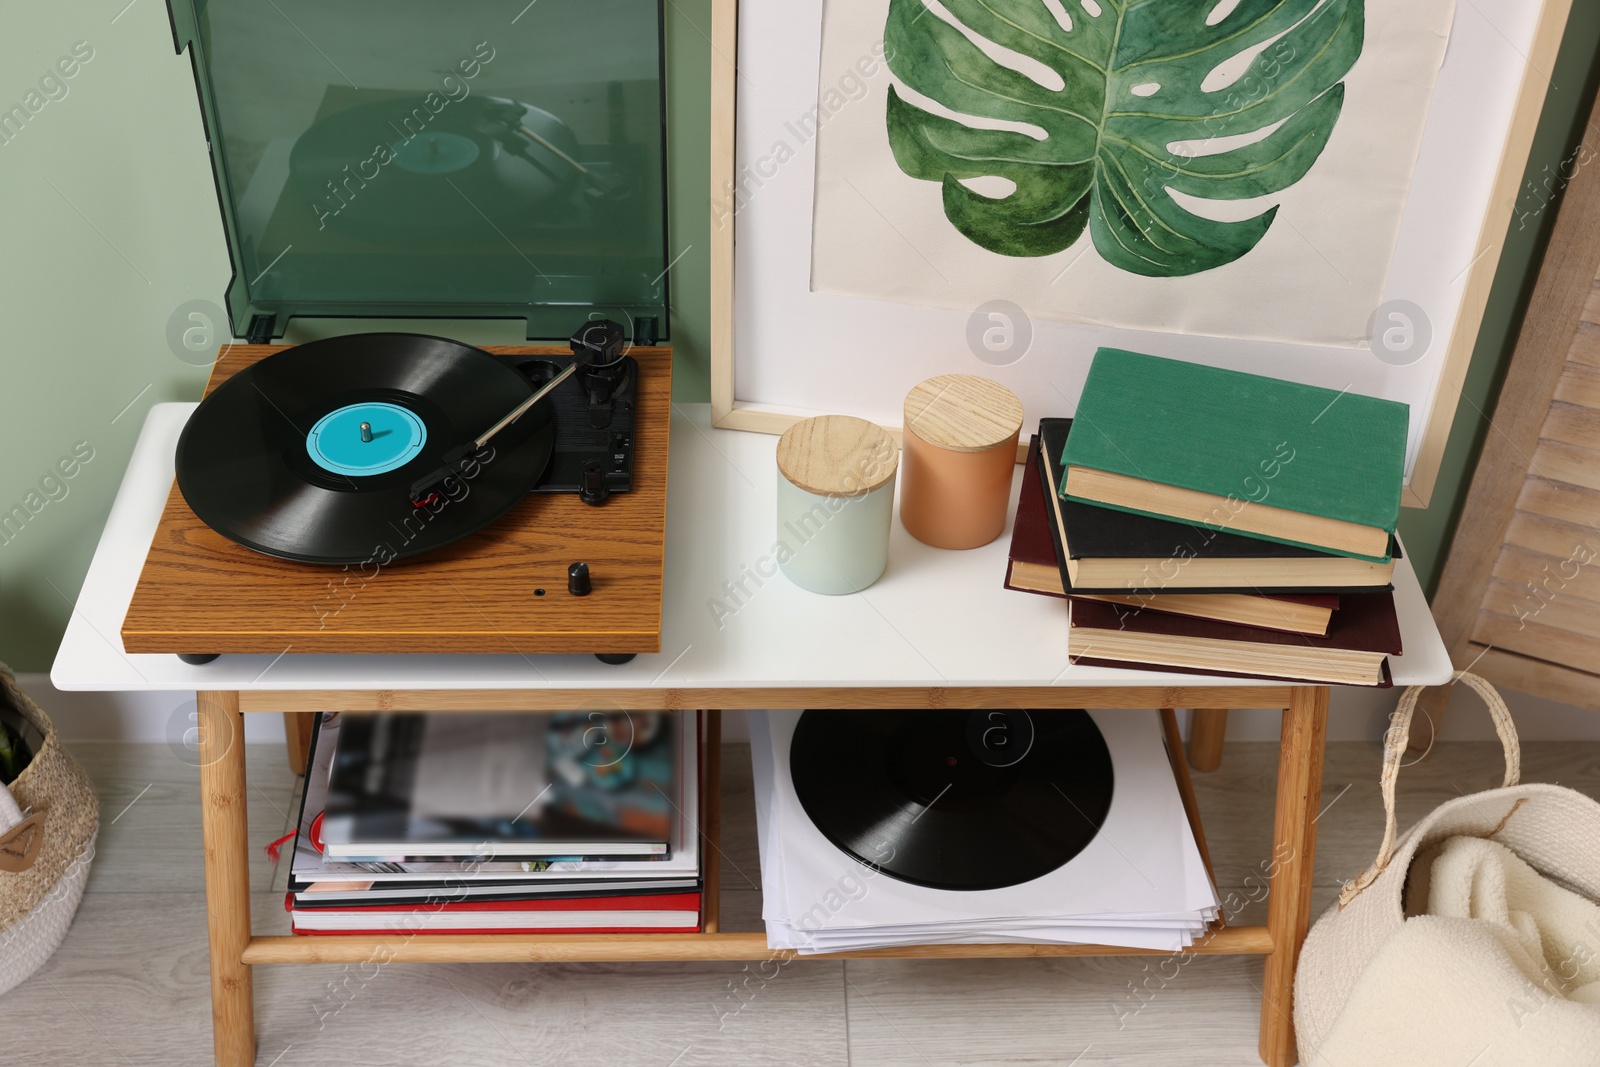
(835, 503)
(960, 451)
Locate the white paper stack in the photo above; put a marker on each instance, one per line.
(1140, 883)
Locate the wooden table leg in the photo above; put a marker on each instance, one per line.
(297, 732)
(1180, 772)
(711, 825)
(1294, 848)
(1207, 729)
(227, 862)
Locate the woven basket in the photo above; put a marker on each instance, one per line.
(43, 867)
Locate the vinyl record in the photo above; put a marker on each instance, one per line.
(954, 799)
(277, 458)
(397, 168)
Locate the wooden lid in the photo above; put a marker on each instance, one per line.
(963, 413)
(837, 455)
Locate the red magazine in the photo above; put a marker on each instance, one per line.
(656, 912)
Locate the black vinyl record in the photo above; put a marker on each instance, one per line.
(270, 459)
(954, 799)
(396, 169)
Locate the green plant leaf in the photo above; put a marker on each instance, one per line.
(1110, 157)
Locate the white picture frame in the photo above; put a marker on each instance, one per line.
(868, 353)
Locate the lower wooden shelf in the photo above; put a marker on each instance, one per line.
(634, 948)
(234, 951)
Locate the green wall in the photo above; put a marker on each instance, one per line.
(108, 224)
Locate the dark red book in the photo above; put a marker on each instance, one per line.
(1035, 568)
(1364, 633)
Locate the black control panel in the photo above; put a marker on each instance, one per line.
(594, 411)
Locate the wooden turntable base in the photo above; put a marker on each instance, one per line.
(501, 590)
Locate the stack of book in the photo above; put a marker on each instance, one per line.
(1212, 521)
(582, 822)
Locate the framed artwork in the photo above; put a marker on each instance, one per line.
(1311, 189)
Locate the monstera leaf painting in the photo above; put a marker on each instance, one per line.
(1128, 93)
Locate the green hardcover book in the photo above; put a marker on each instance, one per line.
(1240, 452)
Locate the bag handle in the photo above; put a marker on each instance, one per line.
(1395, 740)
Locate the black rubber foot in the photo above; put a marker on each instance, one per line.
(197, 660)
(614, 658)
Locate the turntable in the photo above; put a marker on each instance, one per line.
(406, 492)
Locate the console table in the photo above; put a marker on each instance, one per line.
(937, 631)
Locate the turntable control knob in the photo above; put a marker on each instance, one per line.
(578, 581)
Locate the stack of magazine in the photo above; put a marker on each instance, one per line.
(577, 822)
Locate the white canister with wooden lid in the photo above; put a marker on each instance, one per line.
(960, 451)
(835, 503)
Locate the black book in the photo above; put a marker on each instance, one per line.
(1106, 549)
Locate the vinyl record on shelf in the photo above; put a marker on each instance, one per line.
(310, 454)
(963, 800)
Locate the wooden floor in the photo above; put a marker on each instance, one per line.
(129, 985)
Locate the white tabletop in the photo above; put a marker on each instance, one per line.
(936, 618)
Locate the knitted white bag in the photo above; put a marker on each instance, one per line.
(1376, 987)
